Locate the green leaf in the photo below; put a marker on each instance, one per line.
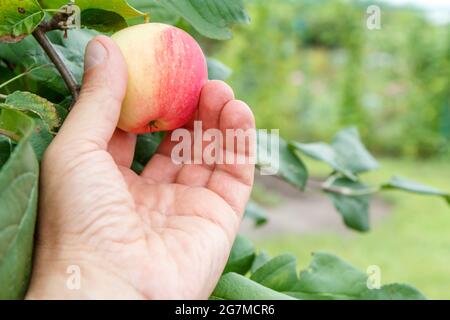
(18, 206)
(322, 152)
(29, 54)
(62, 108)
(329, 277)
(352, 153)
(282, 162)
(233, 286)
(212, 18)
(292, 168)
(328, 274)
(43, 112)
(41, 136)
(137, 167)
(18, 18)
(156, 11)
(259, 261)
(102, 20)
(146, 147)
(393, 292)
(241, 257)
(353, 208)
(346, 154)
(256, 213)
(279, 273)
(38, 106)
(6, 148)
(103, 15)
(414, 187)
(217, 70)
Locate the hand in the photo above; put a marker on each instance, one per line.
(164, 234)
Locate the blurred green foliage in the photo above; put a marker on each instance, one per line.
(313, 67)
(415, 232)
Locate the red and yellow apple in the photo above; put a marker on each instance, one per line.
(166, 73)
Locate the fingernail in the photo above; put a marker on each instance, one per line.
(95, 54)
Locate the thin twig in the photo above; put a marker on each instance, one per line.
(3, 97)
(67, 76)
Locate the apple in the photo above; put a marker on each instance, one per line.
(166, 73)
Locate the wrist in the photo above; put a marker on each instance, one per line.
(74, 277)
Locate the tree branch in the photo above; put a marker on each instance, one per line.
(39, 35)
(2, 96)
(327, 187)
(58, 22)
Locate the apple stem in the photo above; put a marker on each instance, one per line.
(153, 124)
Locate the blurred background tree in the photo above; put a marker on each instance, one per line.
(313, 67)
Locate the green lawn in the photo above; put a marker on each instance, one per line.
(412, 245)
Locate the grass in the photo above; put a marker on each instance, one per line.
(411, 245)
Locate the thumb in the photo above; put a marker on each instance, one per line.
(95, 115)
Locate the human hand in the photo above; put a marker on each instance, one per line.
(164, 234)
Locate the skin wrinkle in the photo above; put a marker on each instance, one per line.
(133, 236)
(164, 165)
(162, 233)
(218, 223)
(164, 239)
(167, 212)
(236, 210)
(184, 175)
(118, 206)
(213, 222)
(73, 163)
(92, 230)
(149, 244)
(204, 165)
(212, 168)
(199, 252)
(218, 124)
(219, 219)
(86, 260)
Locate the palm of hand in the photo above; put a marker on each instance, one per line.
(166, 233)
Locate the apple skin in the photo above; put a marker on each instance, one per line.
(166, 73)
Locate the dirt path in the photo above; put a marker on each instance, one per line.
(300, 213)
